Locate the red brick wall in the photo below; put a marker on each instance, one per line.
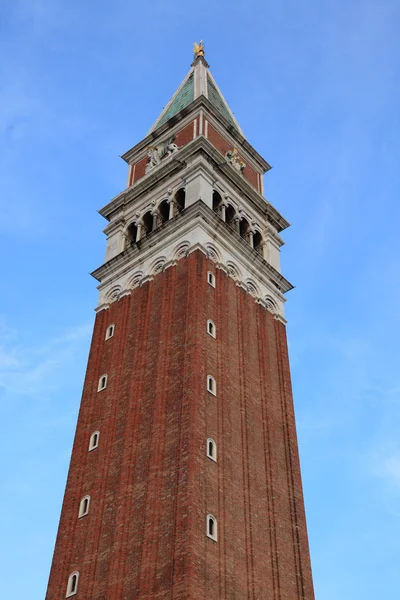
(183, 137)
(223, 146)
(150, 482)
(139, 169)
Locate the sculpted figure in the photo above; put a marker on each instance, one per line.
(234, 159)
(171, 148)
(156, 153)
(153, 154)
(198, 49)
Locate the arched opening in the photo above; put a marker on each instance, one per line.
(211, 330)
(72, 586)
(110, 331)
(94, 441)
(212, 527)
(230, 215)
(180, 199)
(217, 200)
(84, 506)
(211, 279)
(257, 241)
(132, 233)
(102, 383)
(147, 222)
(244, 229)
(164, 211)
(211, 385)
(211, 449)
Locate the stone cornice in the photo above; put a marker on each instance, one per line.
(178, 161)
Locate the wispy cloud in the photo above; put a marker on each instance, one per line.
(33, 370)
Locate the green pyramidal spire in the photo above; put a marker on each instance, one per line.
(198, 82)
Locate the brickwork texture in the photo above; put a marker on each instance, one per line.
(150, 481)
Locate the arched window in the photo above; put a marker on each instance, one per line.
(102, 383)
(212, 527)
(164, 211)
(94, 440)
(257, 242)
(217, 199)
(211, 329)
(110, 331)
(148, 222)
(211, 279)
(132, 233)
(230, 214)
(211, 385)
(211, 449)
(84, 506)
(244, 229)
(180, 197)
(72, 585)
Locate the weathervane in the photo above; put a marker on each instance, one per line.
(198, 49)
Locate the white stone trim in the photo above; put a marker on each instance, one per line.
(110, 331)
(102, 383)
(72, 588)
(211, 278)
(213, 454)
(189, 155)
(211, 385)
(130, 169)
(198, 228)
(214, 535)
(211, 329)
(94, 441)
(203, 90)
(84, 506)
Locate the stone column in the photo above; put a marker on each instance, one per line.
(171, 203)
(155, 220)
(264, 250)
(139, 231)
(223, 212)
(250, 234)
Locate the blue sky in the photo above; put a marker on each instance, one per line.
(315, 87)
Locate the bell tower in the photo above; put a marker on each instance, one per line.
(184, 480)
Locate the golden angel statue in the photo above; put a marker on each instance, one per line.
(198, 49)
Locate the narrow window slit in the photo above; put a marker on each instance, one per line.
(110, 331)
(102, 383)
(211, 385)
(212, 527)
(72, 585)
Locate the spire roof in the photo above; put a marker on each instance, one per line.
(197, 82)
